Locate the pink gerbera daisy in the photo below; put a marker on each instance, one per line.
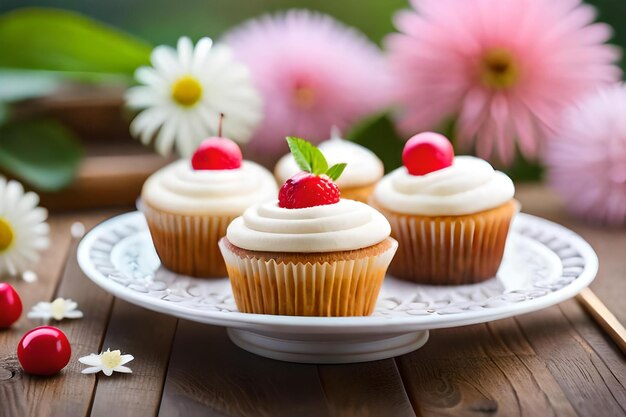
(503, 69)
(312, 71)
(587, 157)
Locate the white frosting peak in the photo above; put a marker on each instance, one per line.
(347, 225)
(181, 189)
(468, 186)
(363, 168)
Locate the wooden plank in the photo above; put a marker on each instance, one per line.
(106, 181)
(591, 387)
(13, 383)
(148, 337)
(365, 389)
(94, 114)
(602, 345)
(209, 376)
(68, 393)
(481, 370)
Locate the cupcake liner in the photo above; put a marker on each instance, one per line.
(450, 250)
(188, 244)
(297, 285)
(361, 194)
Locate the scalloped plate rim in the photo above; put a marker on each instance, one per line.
(334, 325)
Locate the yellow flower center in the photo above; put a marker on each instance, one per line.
(304, 96)
(58, 308)
(186, 91)
(110, 359)
(498, 69)
(7, 236)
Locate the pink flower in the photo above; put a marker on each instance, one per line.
(504, 69)
(587, 157)
(313, 73)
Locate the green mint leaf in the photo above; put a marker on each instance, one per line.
(318, 162)
(307, 156)
(301, 153)
(335, 171)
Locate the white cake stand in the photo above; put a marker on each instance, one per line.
(544, 264)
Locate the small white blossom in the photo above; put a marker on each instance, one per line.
(59, 309)
(107, 362)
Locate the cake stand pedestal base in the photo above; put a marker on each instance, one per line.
(327, 348)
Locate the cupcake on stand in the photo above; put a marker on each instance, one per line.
(309, 253)
(450, 215)
(190, 203)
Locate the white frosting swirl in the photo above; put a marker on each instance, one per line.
(363, 168)
(347, 225)
(468, 186)
(180, 189)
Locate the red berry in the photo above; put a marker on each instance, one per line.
(44, 351)
(307, 190)
(427, 152)
(217, 153)
(10, 305)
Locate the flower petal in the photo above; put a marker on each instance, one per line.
(125, 359)
(92, 370)
(123, 369)
(75, 314)
(92, 360)
(32, 315)
(185, 53)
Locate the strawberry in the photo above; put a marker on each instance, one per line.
(315, 185)
(308, 190)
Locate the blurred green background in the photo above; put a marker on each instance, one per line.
(74, 48)
(163, 21)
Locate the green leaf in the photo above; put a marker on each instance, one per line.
(307, 156)
(336, 170)
(524, 170)
(379, 134)
(20, 85)
(43, 153)
(5, 113)
(300, 152)
(58, 40)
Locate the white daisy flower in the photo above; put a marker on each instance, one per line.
(23, 228)
(107, 362)
(59, 309)
(184, 92)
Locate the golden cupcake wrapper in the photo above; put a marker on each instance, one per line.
(188, 244)
(450, 250)
(361, 194)
(282, 286)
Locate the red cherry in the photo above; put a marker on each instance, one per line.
(217, 153)
(10, 305)
(307, 190)
(44, 351)
(427, 152)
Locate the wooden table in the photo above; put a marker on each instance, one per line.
(553, 362)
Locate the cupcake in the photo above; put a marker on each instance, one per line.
(363, 170)
(450, 215)
(310, 253)
(189, 204)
